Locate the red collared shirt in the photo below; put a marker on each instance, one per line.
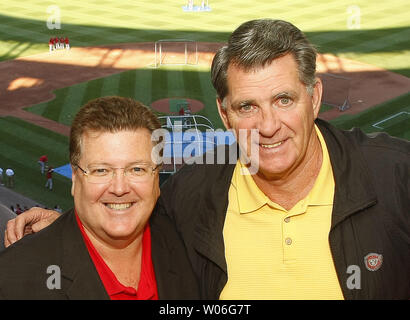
(147, 286)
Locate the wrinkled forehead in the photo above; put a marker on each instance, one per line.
(287, 58)
(279, 73)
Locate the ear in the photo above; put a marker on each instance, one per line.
(223, 114)
(73, 177)
(317, 97)
(157, 184)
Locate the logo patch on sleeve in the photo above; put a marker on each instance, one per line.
(373, 261)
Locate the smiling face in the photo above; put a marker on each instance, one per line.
(273, 100)
(116, 211)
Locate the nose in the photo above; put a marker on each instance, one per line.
(269, 122)
(119, 184)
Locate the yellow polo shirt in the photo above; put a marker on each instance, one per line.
(272, 253)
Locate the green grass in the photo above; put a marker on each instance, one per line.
(21, 145)
(183, 82)
(324, 107)
(368, 120)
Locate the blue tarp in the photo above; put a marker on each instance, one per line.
(64, 170)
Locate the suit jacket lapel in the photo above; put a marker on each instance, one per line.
(79, 275)
(209, 230)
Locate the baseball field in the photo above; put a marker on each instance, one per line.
(364, 63)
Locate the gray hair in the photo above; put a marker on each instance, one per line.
(256, 43)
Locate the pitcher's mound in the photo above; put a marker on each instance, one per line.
(174, 105)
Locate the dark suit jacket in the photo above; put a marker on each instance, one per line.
(24, 265)
(5, 215)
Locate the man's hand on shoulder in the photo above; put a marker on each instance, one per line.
(28, 222)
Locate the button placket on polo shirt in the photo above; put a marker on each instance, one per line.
(289, 231)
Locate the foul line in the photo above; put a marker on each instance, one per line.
(387, 119)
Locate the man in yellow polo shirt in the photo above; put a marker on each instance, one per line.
(290, 243)
(326, 213)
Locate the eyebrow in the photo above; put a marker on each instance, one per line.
(110, 165)
(242, 103)
(285, 94)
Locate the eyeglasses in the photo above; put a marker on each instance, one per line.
(103, 174)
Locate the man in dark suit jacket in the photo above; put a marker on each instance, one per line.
(102, 249)
(28, 270)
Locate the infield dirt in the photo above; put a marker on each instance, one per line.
(31, 80)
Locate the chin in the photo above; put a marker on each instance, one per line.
(121, 230)
(121, 234)
(273, 170)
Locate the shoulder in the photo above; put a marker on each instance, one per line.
(374, 146)
(36, 249)
(6, 214)
(216, 165)
(197, 185)
(163, 232)
(173, 271)
(25, 265)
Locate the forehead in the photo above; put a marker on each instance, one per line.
(120, 146)
(281, 73)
